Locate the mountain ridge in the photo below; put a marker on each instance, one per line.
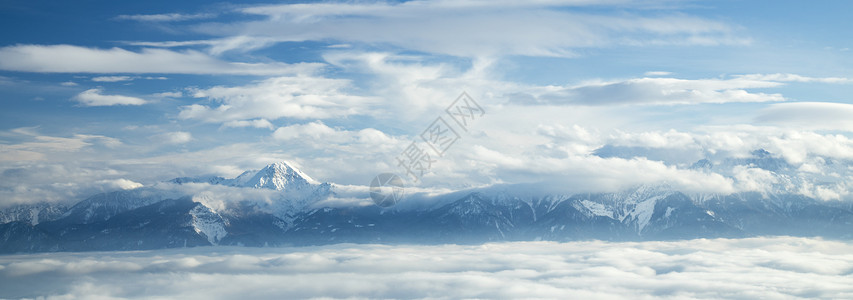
(287, 212)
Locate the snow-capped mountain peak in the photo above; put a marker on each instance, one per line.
(277, 176)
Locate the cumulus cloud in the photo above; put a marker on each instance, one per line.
(409, 89)
(784, 267)
(77, 59)
(313, 130)
(279, 97)
(357, 155)
(579, 159)
(319, 136)
(94, 97)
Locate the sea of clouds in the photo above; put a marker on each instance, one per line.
(769, 268)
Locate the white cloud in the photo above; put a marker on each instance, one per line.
(654, 139)
(595, 174)
(754, 179)
(76, 59)
(177, 137)
(784, 267)
(257, 123)
(175, 94)
(93, 97)
(809, 115)
(475, 28)
(351, 156)
(279, 97)
(119, 184)
(27, 182)
(36, 167)
(562, 155)
(657, 73)
(655, 91)
(411, 88)
(241, 43)
(785, 77)
(313, 130)
(36, 146)
(172, 17)
(112, 78)
(68, 83)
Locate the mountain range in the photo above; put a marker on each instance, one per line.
(280, 205)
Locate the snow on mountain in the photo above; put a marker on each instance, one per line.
(279, 176)
(642, 212)
(297, 190)
(594, 208)
(280, 190)
(32, 213)
(209, 223)
(104, 206)
(768, 173)
(280, 205)
(201, 179)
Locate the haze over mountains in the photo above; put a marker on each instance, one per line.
(281, 205)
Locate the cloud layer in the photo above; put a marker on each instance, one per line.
(78, 59)
(480, 28)
(770, 268)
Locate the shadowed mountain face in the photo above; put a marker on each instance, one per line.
(149, 218)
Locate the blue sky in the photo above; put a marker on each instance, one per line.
(100, 95)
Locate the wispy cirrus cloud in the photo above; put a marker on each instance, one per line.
(170, 17)
(477, 28)
(655, 91)
(788, 77)
(238, 43)
(112, 78)
(78, 59)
